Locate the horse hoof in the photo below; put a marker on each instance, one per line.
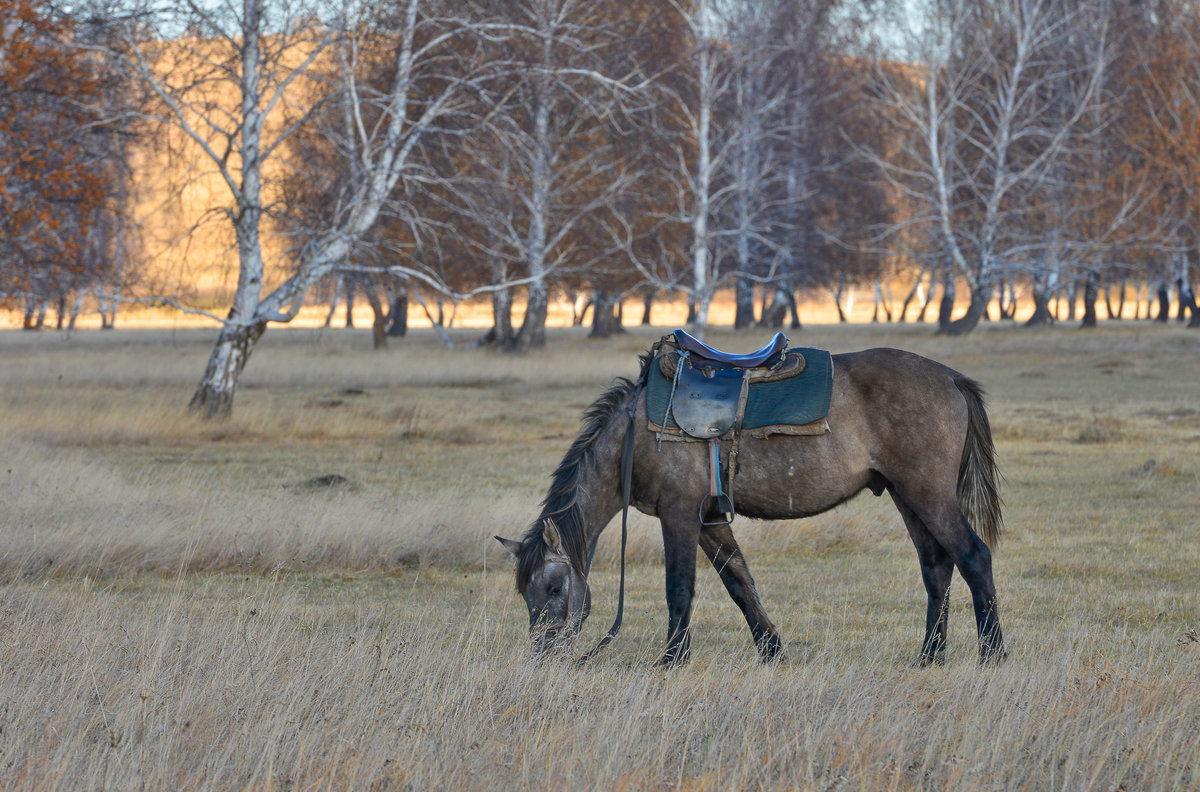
(931, 660)
(770, 650)
(992, 657)
(673, 659)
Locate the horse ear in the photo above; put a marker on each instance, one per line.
(550, 534)
(511, 545)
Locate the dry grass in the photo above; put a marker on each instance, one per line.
(179, 610)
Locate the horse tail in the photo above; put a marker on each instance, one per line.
(978, 476)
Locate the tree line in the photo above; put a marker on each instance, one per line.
(445, 149)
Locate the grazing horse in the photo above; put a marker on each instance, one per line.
(899, 423)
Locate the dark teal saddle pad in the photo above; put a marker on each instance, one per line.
(795, 401)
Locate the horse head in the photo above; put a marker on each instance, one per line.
(556, 592)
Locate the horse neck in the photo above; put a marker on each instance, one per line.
(599, 491)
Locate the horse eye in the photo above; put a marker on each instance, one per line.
(554, 589)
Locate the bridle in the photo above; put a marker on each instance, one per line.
(572, 573)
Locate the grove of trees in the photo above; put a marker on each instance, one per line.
(606, 149)
(63, 165)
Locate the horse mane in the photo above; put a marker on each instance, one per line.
(561, 503)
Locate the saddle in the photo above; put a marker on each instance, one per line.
(700, 394)
(766, 357)
(710, 388)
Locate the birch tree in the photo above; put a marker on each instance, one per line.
(735, 125)
(782, 123)
(684, 132)
(264, 53)
(703, 82)
(1160, 135)
(991, 114)
(545, 165)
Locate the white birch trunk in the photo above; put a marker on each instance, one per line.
(702, 286)
(214, 395)
(533, 326)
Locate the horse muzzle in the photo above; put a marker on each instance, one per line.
(551, 639)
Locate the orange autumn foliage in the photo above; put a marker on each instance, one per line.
(50, 185)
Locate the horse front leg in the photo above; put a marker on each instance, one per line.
(680, 538)
(723, 551)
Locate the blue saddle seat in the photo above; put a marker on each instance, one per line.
(769, 355)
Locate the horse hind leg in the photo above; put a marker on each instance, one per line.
(937, 567)
(723, 551)
(975, 565)
(970, 554)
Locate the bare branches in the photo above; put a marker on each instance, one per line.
(994, 124)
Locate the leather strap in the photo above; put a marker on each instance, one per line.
(626, 497)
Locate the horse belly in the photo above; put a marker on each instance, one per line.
(790, 477)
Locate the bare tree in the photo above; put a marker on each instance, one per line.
(794, 90)
(546, 166)
(693, 94)
(264, 53)
(1159, 137)
(736, 132)
(991, 113)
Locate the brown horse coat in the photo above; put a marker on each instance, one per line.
(900, 423)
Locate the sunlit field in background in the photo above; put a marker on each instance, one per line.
(858, 306)
(308, 596)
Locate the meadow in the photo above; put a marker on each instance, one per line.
(308, 596)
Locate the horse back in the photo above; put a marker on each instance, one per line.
(896, 419)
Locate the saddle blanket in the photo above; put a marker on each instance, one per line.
(795, 406)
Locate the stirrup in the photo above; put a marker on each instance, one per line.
(723, 506)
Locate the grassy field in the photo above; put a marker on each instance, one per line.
(188, 606)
